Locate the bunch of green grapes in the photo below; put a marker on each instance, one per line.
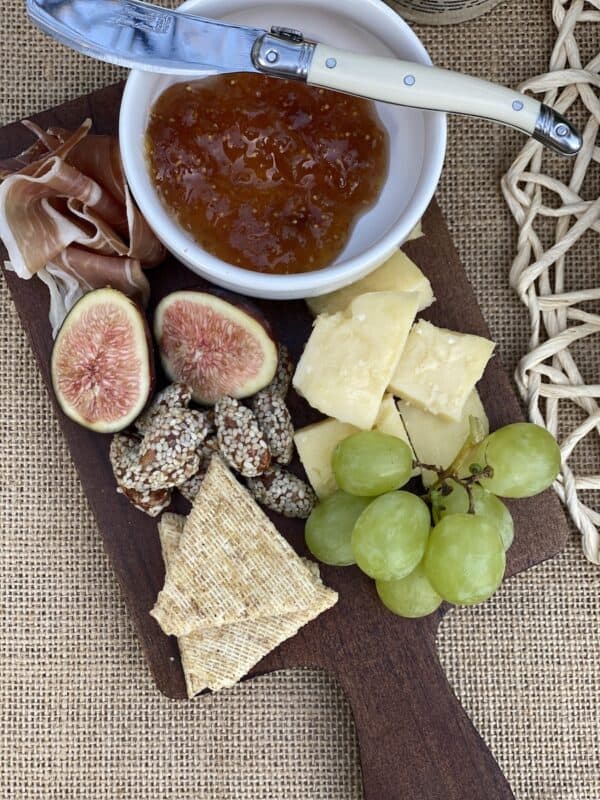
(449, 544)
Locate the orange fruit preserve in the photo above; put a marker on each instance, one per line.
(267, 174)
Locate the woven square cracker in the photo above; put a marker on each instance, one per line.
(232, 564)
(170, 528)
(218, 658)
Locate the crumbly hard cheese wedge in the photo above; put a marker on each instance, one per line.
(232, 564)
(351, 356)
(315, 445)
(416, 233)
(437, 440)
(218, 657)
(438, 369)
(397, 274)
(388, 421)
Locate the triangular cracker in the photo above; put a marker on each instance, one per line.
(217, 658)
(170, 528)
(232, 564)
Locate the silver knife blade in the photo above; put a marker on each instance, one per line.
(138, 35)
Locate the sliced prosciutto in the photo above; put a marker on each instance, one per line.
(66, 215)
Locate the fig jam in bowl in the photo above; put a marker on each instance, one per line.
(273, 188)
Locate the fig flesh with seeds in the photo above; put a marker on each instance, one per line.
(217, 343)
(102, 365)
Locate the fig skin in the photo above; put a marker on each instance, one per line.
(228, 306)
(143, 346)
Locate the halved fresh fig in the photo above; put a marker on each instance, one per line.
(217, 343)
(102, 364)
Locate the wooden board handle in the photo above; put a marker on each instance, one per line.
(415, 738)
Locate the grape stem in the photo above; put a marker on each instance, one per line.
(469, 489)
(474, 436)
(452, 473)
(416, 462)
(468, 444)
(431, 467)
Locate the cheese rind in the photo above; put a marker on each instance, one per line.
(315, 444)
(397, 274)
(437, 440)
(439, 368)
(350, 356)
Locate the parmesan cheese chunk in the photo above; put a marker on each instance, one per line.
(315, 445)
(439, 368)
(437, 440)
(416, 233)
(397, 274)
(389, 421)
(351, 356)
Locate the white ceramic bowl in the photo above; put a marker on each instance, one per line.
(417, 145)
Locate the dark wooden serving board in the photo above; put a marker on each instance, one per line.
(415, 739)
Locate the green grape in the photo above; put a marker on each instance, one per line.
(412, 596)
(390, 535)
(329, 528)
(370, 463)
(485, 504)
(465, 559)
(525, 459)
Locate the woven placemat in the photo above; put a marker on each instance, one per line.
(80, 716)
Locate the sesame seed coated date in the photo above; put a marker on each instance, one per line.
(283, 492)
(240, 438)
(276, 424)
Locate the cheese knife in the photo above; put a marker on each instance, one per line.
(142, 36)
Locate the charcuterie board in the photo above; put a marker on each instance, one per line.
(415, 739)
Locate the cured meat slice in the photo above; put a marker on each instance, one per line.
(66, 214)
(94, 271)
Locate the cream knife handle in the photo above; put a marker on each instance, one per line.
(410, 84)
(420, 86)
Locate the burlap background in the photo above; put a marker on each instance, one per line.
(80, 717)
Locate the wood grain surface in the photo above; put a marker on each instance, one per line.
(415, 739)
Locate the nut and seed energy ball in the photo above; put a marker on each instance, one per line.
(124, 455)
(190, 488)
(282, 491)
(168, 453)
(241, 441)
(150, 502)
(283, 374)
(276, 424)
(176, 395)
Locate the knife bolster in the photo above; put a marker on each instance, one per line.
(284, 54)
